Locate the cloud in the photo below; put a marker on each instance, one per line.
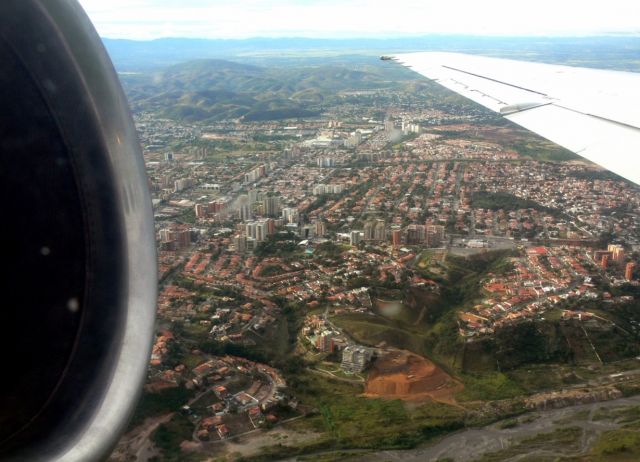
(145, 19)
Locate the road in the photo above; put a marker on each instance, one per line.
(456, 200)
(359, 380)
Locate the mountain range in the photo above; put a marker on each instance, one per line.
(278, 78)
(215, 89)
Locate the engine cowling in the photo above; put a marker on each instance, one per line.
(79, 290)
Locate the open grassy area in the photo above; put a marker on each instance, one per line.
(206, 400)
(350, 421)
(429, 258)
(395, 310)
(489, 387)
(196, 331)
(373, 330)
(617, 445)
(190, 360)
(540, 149)
(540, 377)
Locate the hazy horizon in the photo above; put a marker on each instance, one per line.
(213, 19)
(387, 38)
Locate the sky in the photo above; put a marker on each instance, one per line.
(233, 19)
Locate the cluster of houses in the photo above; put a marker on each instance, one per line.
(257, 401)
(539, 280)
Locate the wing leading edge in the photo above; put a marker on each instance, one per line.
(591, 112)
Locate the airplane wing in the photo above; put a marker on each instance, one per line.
(594, 113)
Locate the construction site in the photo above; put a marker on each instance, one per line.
(401, 374)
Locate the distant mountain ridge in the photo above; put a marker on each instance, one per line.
(216, 89)
(260, 79)
(611, 52)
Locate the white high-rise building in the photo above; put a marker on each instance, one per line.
(240, 243)
(389, 126)
(290, 214)
(245, 211)
(321, 228)
(271, 206)
(355, 237)
(320, 189)
(326, 161)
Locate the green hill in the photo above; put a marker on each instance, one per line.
(215, 89)
(561, 351)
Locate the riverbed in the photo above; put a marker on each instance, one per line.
(471, 444)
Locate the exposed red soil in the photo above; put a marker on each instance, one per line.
(404, 375)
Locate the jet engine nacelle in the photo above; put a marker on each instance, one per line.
(78, 248)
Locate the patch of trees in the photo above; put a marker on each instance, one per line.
(318, 202)
(529, 342)
(276, 244)
(152, 404)
(595, 175)
(279, 114)
(329, 250)
(170, 435)
(507, 202)
(271, 270)
(215, 348)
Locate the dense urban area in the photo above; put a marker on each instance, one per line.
(376, 274)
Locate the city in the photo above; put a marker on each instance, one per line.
(385, 246)
(324, 231)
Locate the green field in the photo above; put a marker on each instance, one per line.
(617, 445)
(348, 421)
(206, 400)
(492, 386)
(374, 330)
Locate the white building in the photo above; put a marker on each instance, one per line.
(290, 214)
